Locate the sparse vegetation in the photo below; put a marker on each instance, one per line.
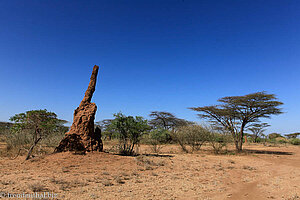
(37, 187)
(295, 141)
(119, 180)
(36, 131)
(218, 140)
(66, 185)
(249, 167)
(189, 77)
(107, 183)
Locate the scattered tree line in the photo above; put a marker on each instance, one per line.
(230, 121)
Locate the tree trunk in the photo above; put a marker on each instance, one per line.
(31, 148)
(131, 149)
(236, 142)
(255, 138)
(240, 144)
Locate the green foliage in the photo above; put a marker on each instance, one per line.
(31, 127)
(39, 122)
(128, 130)
(193, 136)
(282, 141)
(259, 140)
(272, 141)
(157, 137)
(249, 139)
(295, 141)
(107, 132)
(235, 113)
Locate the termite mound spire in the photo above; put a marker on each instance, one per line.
(82, 135)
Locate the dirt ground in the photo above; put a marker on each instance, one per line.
(261, 173)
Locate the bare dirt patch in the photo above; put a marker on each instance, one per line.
(256, 174)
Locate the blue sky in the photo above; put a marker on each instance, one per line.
(162, 55)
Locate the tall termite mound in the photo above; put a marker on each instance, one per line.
(82, 135)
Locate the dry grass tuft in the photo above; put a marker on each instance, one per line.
(37, 187)
(67, 185)
(105, 173)
(247, 167)
(7, 182)
(119, 180)
(107, 183)
(231, 161)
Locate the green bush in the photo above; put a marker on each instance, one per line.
(295, 141)
(128, 130)
(156, 138)
(282, 141)
(259, 140)
(272, 141)
(249, 140)
(252, 140)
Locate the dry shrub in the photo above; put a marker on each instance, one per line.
(37, 187)
(19, 142)
(67, 185)
(218, 140)
(193, 136)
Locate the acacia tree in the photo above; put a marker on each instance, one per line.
(272, 136)
(38, 123)
(235, 113)
(257, 130)
(104, 126)
(166, 120)
(292, 135)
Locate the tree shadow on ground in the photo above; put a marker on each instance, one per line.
(158, 155)
(150, 155)
(267, 152)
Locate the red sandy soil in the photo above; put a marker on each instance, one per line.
(269, 173)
